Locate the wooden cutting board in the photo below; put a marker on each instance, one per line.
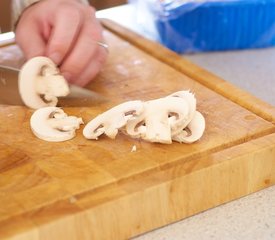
(83, 189)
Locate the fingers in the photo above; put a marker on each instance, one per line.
(32, 44)
(92, 69)
(66, 27)
(85, 51)
(67, 32)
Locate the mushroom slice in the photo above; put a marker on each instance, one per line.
(40, 83)
(53, 124)
(153, 124)
(178, 124)
(110, 121)
(193, 131)
(160, 120)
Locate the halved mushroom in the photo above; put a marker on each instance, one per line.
(110, 121)
(153, 124)
(40, 83)
(53, 124)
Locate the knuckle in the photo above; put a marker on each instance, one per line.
(91, 11)
(68, 10)
(73, 69)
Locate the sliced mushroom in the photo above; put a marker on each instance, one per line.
(178, 124)
(161, 120)
(153, 124)
(52, 124)
(40, 83)
(195, 124)
(110, 121)
(193, 131)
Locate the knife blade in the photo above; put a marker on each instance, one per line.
(78, 97)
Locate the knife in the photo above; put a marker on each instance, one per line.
(78, 97)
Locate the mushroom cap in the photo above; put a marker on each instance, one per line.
(40, 76)
(52, 124)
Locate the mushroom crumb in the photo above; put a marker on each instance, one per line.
(163, 120)
(72, 200)
(3, 81)
(134, 148)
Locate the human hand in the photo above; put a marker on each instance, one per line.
(66, 31)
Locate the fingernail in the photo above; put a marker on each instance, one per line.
(56, 57)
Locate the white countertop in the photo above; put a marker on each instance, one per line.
(251, 217)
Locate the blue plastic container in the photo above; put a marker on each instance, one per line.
(197, 26)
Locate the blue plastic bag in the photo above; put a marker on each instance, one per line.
(194, 26)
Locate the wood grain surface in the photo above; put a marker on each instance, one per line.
(83, 189)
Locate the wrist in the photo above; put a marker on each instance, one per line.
(18, 6)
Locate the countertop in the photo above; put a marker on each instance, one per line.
(251, 217)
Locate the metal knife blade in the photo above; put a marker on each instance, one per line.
(78, 97)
